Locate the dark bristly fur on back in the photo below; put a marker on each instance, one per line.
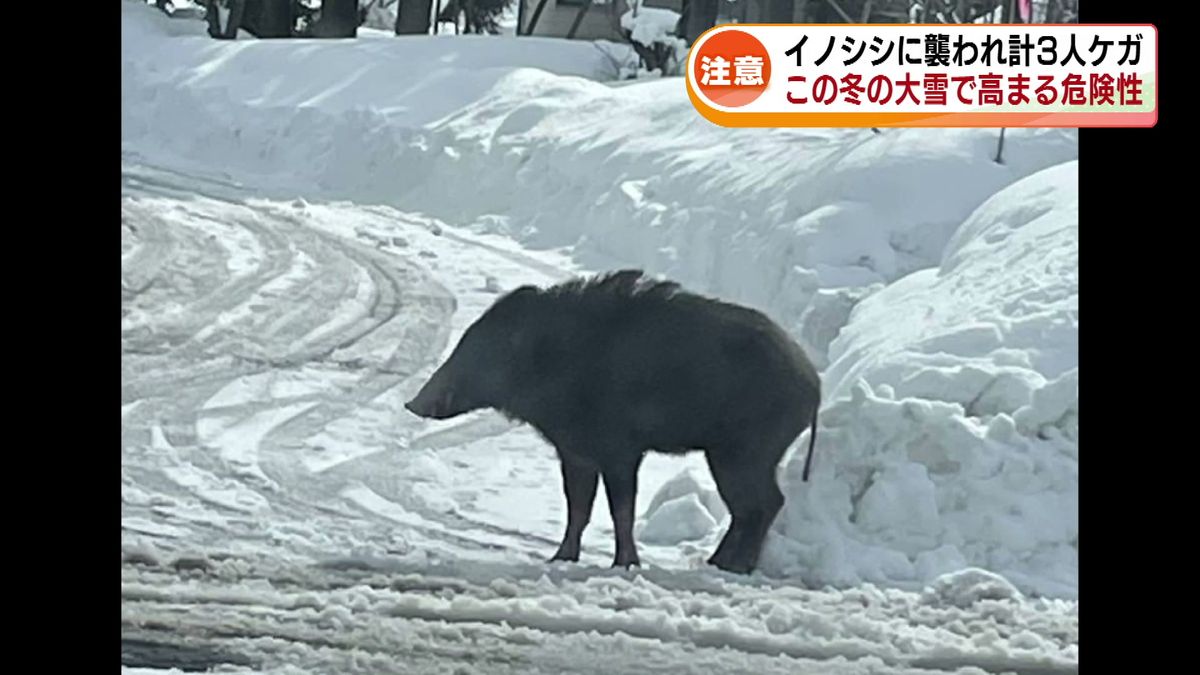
(622, 284)
(611, 367)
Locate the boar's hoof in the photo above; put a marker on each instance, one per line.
(734, 566)
(564, 556)
(720, 557)
(626, 562)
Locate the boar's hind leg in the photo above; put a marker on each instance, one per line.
(620, 485)
(579, 485)
(754, 499)
(740, 505)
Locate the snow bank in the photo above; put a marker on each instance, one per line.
(948, 345)
(651, 25)
(950, 432)
(800, 223)
(410, 80)
(517, 136)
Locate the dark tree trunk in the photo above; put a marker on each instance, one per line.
(413, 17)
(452, 14)
(836, 11)
(339, 19)
(701, 15)
(778, 11)
(802, 12)
(272, 20)
(237, 9)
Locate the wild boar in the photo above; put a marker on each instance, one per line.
(611, 367)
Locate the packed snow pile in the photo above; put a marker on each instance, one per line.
(800, 223)
(380, 15)
(652, 25)
(950, 431)
(684, 508)
(652, 30)
(678, 520)
(407, 80)
(688, 483)
(934, 287)
(967, 587)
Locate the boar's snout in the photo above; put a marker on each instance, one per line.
(434, 401)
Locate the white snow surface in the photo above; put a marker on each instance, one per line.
(308, 226)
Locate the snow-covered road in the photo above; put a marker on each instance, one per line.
(264, 347)
(281, 510)
(342, 617)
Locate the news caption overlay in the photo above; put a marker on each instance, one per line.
(926, 75)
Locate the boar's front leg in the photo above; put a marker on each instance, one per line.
(620, 485)
(579, 485)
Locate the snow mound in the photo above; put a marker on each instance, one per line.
(950, 428)
(650, 25)
(403, 79)
(631, 175)
(677, 520)
(686, 483)
(967, 587)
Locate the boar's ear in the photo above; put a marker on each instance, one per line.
(516, 301)
(513, 308)
(520, 308)
(524, 292)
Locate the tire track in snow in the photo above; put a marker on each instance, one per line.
(238, 325)
(256, 319)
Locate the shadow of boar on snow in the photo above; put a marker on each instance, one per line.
(611, 367)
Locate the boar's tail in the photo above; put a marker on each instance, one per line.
(812, 441)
